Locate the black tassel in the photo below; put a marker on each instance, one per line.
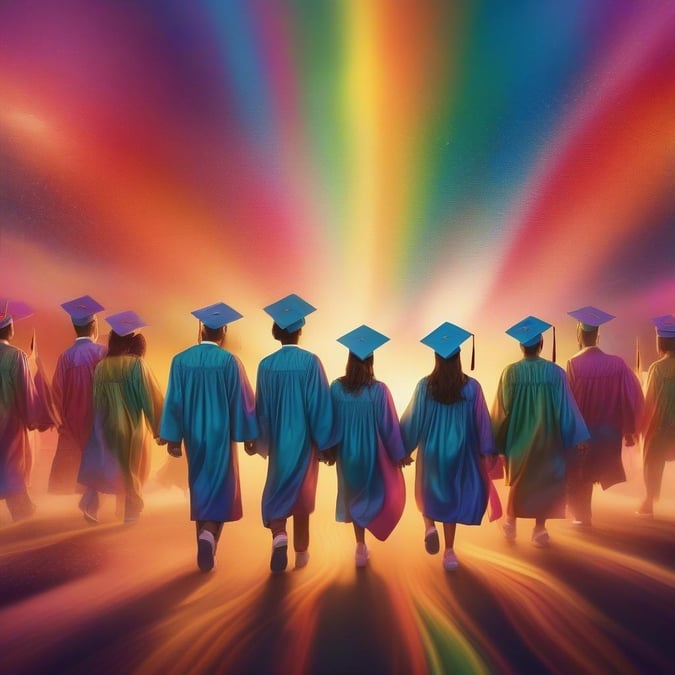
(553, 354)
(637, 356)
(473, 351)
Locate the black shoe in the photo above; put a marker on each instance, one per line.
(279, 559)
(431, 542)
(205, 560)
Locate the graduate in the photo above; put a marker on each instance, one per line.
(21, 410)
(72, 387)
(610, 400)
(371, 490)
(537, 423)
(447, 421)
(658, 425)
(209, 407)
(295, 418)
(127, 401)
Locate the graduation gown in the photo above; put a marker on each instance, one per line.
(450, 483)
(610, 400)
(371, 490)
(127, 400)
(73, 395)
(210, 406)
(538, 419)
(295, 419)
(658, 424)
(21, 410)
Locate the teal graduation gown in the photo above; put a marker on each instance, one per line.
(210, 406)
(295, 417)
(371, 490)
(450, 484)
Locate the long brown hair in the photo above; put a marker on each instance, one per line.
(121, 345)
(358, 373)
(447, 379)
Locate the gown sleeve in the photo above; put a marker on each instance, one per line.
(411, 420)
(389, 428)
(171, 428)
(486, 443)
(319, 407)
(244, 425)
(573, 429)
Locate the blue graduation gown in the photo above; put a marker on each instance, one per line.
(449, 484)
(295, 417)
(371, 491)
(210, 406)
(535, 403)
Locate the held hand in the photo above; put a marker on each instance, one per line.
(249, 447)
(174, 449)
(629, 440)
(406, 461)
(581, 448)
(160, 441)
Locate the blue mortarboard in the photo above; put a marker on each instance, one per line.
(125, 323)
(13, 310)
(528, 331)
(665, 325)
(82, 310)
(446, 339)
(363, 341)
(590, 317)
(289, 313)
(217, 315)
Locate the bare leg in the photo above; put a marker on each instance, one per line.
(301, 532)
(360, 534)
(449, 533)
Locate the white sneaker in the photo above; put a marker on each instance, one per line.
(362, 555)
(301, 559)
(509, 529)
(540, 538)
(450, 562)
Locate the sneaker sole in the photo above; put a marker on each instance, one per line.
(432, 544)
(279, 560)
(204, 555)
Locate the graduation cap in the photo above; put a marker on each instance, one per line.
(363, 341)
(82, 310)
(125, 323)
(289, 313)
(665, 325)
(528, 332)
(216, 315)
(447, 339)
(13, 310)
(590, 317)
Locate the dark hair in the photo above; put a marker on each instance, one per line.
(447, 380)
(6, 331)
(213, 334)
(533, 350)
(284, 336)
(85, 330)
(588, 338)
(358, 373)
(138, 345)
(665, 344)
(122, 345)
